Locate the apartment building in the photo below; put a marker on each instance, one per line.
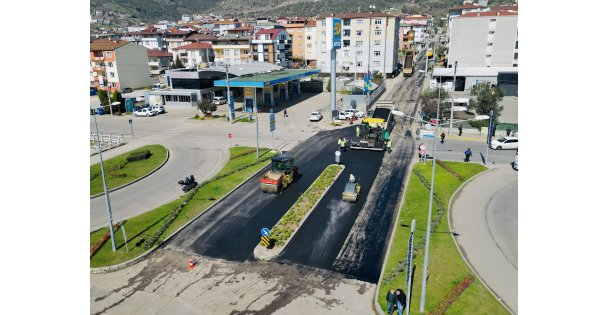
(310, 50)
(296, 29)
(232, 49)
(370, 40)
(158, 61)
(272, 46)
(116, 64)
(221, 27)
(176, 38)
(195, 54)
(416, 25)
(484, 39)
(150, 37)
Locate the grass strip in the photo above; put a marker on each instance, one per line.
(283, 230)
(119, 172)
(143, 227)
(446, 267)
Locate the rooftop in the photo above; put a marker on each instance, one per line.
(158, 53)
(194, 46)
(356, 15)
(490, 13)
(472, 71)
(107, 44)
(267, 79)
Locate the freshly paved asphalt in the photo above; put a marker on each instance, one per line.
(484, 215)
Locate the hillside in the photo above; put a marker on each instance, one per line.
(149, 11)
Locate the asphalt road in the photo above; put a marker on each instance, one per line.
(484, 215)
(231, 229)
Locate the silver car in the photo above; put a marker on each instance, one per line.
(504, 143)
(316, 116)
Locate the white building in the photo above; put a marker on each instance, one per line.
(195, 54)
(370, 40)
(310, 50)
(484, 39)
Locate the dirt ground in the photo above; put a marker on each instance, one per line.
(163, 284)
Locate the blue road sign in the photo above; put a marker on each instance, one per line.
(265, 232)
(272, 122)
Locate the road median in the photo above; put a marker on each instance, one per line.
(282, 233)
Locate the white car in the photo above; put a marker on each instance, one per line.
(360, 114)
(316, 116)
(341, 115)
(144, 112)
(349, 112)
(158, 109)
(219, 100)
(504, 143)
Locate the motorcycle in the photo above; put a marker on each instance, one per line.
(188, 183)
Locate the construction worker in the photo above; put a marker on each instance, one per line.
(340, 143)
(351, 178)
(389, 145)
(358, 131)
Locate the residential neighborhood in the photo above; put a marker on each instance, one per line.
(360, 161)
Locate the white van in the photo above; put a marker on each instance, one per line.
(219, 100)
(158, 86)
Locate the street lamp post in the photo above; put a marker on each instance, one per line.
(430, 212)
(105, 186)
(230, 109)
(103, 64)
(453, 94)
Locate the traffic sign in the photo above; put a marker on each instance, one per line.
(272, 122)
(229, 136)
(434, 121)
(265, 232)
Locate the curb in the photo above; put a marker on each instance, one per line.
(140, 257)
(135, 181)
(455, 196)
(258, 248)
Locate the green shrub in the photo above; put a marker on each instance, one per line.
(138, 155)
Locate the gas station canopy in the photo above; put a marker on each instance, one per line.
(261, 80)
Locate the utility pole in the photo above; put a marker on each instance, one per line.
(453, 94)
(230, 103)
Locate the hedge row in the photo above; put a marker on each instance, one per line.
(419, 244)
(112, 170)
(451, 297)
(449, 169)
(138, 155)
(152, 240)
(97, 245)
(243, 154)
(283, 230)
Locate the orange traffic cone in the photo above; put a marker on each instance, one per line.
(191, 264)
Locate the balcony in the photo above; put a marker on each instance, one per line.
(99, 68)
(98, 58)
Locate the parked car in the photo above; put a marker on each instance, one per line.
(219, 100)
(158, 109)
(349, 113)
(504, 143)
(93, 92)
(360, 114)
(146, 111)
(316, 116)
(126, 90)
(341, 115)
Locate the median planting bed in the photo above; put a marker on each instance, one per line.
(283, 231)
(127, 167)
(151, 228)
(450, 286)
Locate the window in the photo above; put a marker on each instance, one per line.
(377, 32)
(323, 43)
(490, 44)
(516, 44)
(309, 45)
(491, 32)
(300, 45)
(111, 74)
(323, 33)
(227, 52)
(308, 37)
(376, 63)
(377, 43)
(346, 33)
(346, 22)
(359, 53)
(515, 55)
(492, 20)
(346, 43)
(299, 37)
(282, 37)
(359, 43)
(322, 63)
(323, 23)
(346, 53)
(378, 22)
(359, 32)
(359, 63)
(377, 53)
(109, 54)
(236, 52)
(488, 56)
(359, 22)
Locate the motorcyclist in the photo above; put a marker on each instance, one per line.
(352, 178)
(442, 136)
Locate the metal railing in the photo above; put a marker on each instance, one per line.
(108, 141)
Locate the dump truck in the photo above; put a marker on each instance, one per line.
(282, 173)
(351, 191)
(408, 65)
(374, 130)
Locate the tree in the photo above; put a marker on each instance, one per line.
(377, 77)
(103, 97)
(206, 106)
(486, 99)
(177, 64)
(328, 87)
(116, 96)
(429, 102)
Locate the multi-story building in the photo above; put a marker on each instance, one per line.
(310, 41)
(272, 46)
(418, 24)
(370, 41)
(201, 38)
(264, 25)
(176, 38)
(464, 9)
(158, 61)
(484, 39)
(150, 38)
(243, 30)
(118, 64)
(221, 27)
(296, 29)
(232, 49)
(195, 54)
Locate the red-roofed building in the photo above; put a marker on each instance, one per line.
(415, 25)
(158, 61)
(273, 46)
(176, 38)
(195, 54)
(118, 64)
